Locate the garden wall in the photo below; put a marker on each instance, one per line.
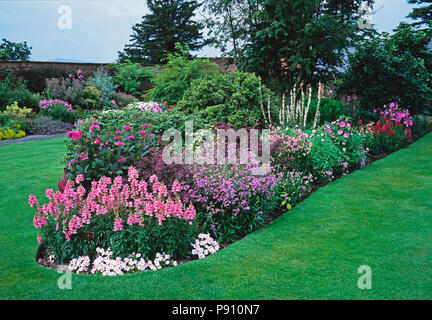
(35, 72)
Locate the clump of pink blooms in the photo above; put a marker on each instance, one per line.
(340, 131)
(402, 116)
(204, 245)
(47, 104)
(80, 75)
(129, 203)
(289, 146)
(230, 187)
(106, 265)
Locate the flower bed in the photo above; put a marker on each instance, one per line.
(176, 213)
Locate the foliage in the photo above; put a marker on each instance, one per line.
(156, 221)
(286, 48)
(176, 77)
(16, 113)
(423, 13)
(104, 83)
(129, 77)
(383, 69)
(323, 160)
(329, 110)
(158, 115)
(10, 129)
(14, 51)
(293, 187)
(14, 89)
(421, 126)
(168, 23)
(227, 21)
(234, 98)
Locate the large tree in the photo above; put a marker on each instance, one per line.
(423, 14)
(169, 22)
(231, 24)
(14, 51)
(287, 42)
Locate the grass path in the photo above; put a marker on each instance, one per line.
(380, 216)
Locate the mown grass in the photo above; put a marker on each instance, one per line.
(379, 216)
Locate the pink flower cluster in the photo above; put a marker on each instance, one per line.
(392, 112)
(80, 75)
(47, 104)
(340, 131)
(288, 147)
(132, 202)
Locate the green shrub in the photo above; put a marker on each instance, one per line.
(104, 83)
(385, 69)
(129, 77)
(421, 125)
(160, 121)
(14, 89)
(330, 110)
(233, 98)
(46, 125)
(324, 159)
(176, 77)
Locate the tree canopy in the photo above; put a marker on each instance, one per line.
(169, 22)
(14, 51)
(423, 14)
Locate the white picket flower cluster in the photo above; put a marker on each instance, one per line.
(204, 246)
(149, 106)
(107, 266)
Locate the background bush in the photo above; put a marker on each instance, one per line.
(176, 76)
(386, 69)
(130, 77)
(233, 98)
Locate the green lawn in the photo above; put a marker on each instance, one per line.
(380, 216)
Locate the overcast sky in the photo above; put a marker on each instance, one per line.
(101, 28)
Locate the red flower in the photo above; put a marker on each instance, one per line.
(361, 122)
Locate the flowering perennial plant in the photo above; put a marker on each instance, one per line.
(96, 150)
(149, 106)
(289, 147)
(349, 140)
(392, 118)
(106, 265)
(204, 245)
(110, 205)
(48, 104)
(233, 201)
(294, 186)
